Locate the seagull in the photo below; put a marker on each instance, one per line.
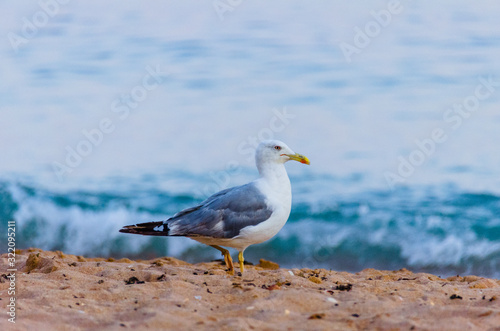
(240, 216)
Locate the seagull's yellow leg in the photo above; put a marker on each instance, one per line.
(227, 258)
(241, 260)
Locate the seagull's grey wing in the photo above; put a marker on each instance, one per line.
(223, 215)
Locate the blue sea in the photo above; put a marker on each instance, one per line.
(119, 112)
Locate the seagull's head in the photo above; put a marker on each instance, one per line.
(275, 151)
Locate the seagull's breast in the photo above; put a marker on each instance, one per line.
(263, 231)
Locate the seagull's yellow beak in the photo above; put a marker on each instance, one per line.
(298, 158)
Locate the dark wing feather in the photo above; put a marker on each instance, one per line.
(147, 229)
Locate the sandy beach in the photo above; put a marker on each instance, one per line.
(56, 291)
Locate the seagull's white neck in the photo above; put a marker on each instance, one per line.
(275, 175)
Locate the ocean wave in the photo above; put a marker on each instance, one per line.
(418, 229)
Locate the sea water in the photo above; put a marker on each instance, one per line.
(119, 112)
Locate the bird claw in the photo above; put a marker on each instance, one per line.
(227, 258)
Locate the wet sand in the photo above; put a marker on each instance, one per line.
(55, 291)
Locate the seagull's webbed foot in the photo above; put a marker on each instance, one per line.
(227, 258)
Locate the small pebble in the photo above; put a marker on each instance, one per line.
(332, 300)
(197, 297)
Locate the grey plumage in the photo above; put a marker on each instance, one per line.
(222, 215)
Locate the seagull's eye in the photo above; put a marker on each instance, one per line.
(278, 148)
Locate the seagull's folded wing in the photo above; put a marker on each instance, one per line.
(223, 215)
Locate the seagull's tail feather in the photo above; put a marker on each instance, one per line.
(147, 229)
